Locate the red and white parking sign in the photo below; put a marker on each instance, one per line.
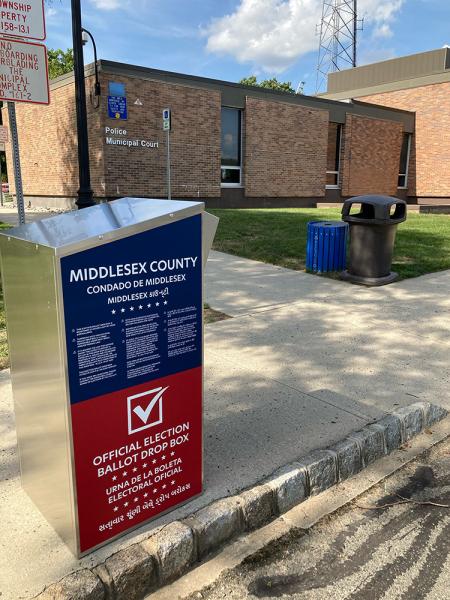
(23, 72)
(23, 19)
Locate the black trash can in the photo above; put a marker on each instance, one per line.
(372, 236)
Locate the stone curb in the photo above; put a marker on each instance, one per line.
(141, 568)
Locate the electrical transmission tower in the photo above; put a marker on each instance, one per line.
(337, 45)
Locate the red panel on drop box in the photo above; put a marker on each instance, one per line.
(138, 453)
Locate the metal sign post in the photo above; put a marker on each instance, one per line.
(4, 137)
(16, 162)
(169, 192)
(167, 127)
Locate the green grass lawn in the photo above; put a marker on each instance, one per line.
(278, 236)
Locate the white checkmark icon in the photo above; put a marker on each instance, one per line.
(144, 414)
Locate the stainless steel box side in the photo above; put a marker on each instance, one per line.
(210, 224)
(40, 398)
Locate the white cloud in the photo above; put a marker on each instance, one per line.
(273, 34)
(383, 31)
(106, 4)
(381, 13)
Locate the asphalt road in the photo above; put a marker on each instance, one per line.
(398, 552)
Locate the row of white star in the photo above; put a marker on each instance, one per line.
(136, 499)
(140, 307)
(144, 466)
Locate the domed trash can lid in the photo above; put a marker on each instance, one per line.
(375, 210)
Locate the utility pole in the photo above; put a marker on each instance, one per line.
(85, 194)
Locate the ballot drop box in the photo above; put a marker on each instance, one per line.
(104, 312)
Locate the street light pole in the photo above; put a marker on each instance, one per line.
(85, 194)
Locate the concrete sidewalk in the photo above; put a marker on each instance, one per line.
(373, 347)
(305, 361)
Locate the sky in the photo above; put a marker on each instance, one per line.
(231, 39)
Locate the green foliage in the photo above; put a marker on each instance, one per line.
(271, 84)
(59, 62)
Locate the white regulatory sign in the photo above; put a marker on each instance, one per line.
(23, 19)
(23, 72)
(4, 134)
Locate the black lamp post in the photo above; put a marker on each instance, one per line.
(85, 194)
(96, 91)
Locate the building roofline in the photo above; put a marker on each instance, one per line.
(115, 67)
(208, 82)
(233, 93)
(404, 84)
(414, 70)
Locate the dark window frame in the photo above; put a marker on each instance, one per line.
(402, 183)
(337, 161)
(233, 167)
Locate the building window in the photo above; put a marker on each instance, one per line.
(231, 147)
(404, 161)
(334, 155)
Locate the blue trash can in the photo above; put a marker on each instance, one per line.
(326, 247)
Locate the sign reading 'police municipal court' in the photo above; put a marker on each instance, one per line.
(134, 352)
(115, 136)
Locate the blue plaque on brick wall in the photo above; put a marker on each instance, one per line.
(117, 107)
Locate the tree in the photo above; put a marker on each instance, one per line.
(59, 62)
(271, 84)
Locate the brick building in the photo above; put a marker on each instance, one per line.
(419, 83)
(231, 145)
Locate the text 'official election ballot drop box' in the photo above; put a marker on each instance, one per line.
(105, 325)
